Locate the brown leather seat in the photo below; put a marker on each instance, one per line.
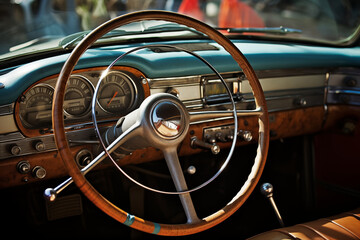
(340, 227)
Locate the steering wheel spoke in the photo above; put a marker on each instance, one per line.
(178, 178)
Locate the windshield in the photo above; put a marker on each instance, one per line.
(28, 26)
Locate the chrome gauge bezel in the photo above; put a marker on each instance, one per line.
(25, 98)
(90, 87)
(133, 92)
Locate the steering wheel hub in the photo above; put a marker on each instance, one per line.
(167, 118)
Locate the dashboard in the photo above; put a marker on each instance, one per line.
(168, 125)
(299, 94)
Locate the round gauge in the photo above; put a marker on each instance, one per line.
(117, 93)
(78, 96)
(35, 106)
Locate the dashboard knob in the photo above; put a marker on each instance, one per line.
(230, 137)
(210, 139)
(215, 149)
(39, 146)
(245, 135)
(39, 172)
(191, 170)
(23, 167)
(15, 150)
(300, 102)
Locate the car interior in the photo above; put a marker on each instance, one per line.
(185, 118)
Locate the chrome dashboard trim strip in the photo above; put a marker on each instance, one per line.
(8, 124)
(174, 81)
(7, 109)
(204, 115)
(284, 89)
(262, 74)
(15, 136)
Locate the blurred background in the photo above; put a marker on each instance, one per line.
(40, 20)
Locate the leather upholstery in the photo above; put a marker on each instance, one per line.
(343, 226)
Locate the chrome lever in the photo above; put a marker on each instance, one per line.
(196, 143)
(267, 190)
(50, 194)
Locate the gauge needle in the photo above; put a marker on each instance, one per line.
(112, 98)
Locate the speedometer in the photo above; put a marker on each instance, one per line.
(78, 96)
(35, 106)
(117, 93)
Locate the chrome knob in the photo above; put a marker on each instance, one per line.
(39, 172)
(301, 102)
(267, 189)
(23, 167)
(39, 146)
(191, 170)
(15, 150)
(50, 194)
(245, 135)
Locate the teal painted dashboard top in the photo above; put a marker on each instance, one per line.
(261, 55)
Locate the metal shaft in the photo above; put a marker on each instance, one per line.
(267, 190)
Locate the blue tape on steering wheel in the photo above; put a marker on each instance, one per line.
(157, 228)
(129, 219)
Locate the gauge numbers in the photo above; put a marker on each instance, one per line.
(78, 96)
(35, 107)
(116, 94)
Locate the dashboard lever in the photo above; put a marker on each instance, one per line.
(196, 143)
(267, 190)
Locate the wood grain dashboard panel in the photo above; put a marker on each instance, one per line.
(282, 124)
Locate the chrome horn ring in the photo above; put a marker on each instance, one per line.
(78, 176)
(160, 130)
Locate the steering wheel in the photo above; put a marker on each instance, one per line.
(151, 119)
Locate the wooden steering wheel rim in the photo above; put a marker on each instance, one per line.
(101, 202)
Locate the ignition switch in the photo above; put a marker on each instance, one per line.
(83, 157)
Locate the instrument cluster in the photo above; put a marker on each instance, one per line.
(120, 92)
